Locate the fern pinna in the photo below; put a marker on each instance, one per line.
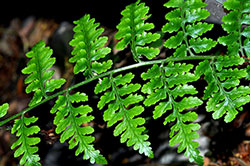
(166, 84)
(69, 120)
(185, 20)
(132, 31)
(237, 40)
(39, 78)
(89, 48)
(26, 144)
(223, 90)
(123, 106)
(168, 87)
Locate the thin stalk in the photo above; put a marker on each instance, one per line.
(185, 33)
(103, 75)
(240, 36)
(222, 90)
(133, 41)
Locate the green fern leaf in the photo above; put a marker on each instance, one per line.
(3, 109)
(173, 80)
(198, 29)
(123, 109)
(172, 26)
(39, 78)
(196, 15)
(185, 20)
(26, 145)
(238, 34)
(132, 31)
(225, 95)
(232, 5)
(69, 120)
(175, 41)
(89, 48)
(201, 45)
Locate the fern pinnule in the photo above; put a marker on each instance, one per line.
(123, 109)
(89, 48)
(39, 78)
(69, 120)
(26, 145)
(223, 90)
(166, 84)
(237, 40)
(3, 109)
(185, 21)
(132, 31)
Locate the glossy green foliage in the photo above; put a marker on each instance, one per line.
(123, 109)
(69, 120)
(168, 87)
(3, 109)
(26, 145)
(236, 25)
(132, 30)
(184, 20)
(39, 78)
(226, 96)
(89, 48)
(168, 90)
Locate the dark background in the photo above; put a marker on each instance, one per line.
(106, 12)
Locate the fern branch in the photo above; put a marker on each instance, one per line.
(69, 120)
(185, 21)
(123, 106)
(165, 85)
(223, 90)
(114, 71)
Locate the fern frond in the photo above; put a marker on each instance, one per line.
(185, 21)
(166, 84)
(237, 40)
(132, 31)
(69, 120)
(25, 143)
(89, 48)
(3, 109)
(223, 90)
(123, 109)
(39, 78)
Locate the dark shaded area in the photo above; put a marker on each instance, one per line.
(105, 12)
